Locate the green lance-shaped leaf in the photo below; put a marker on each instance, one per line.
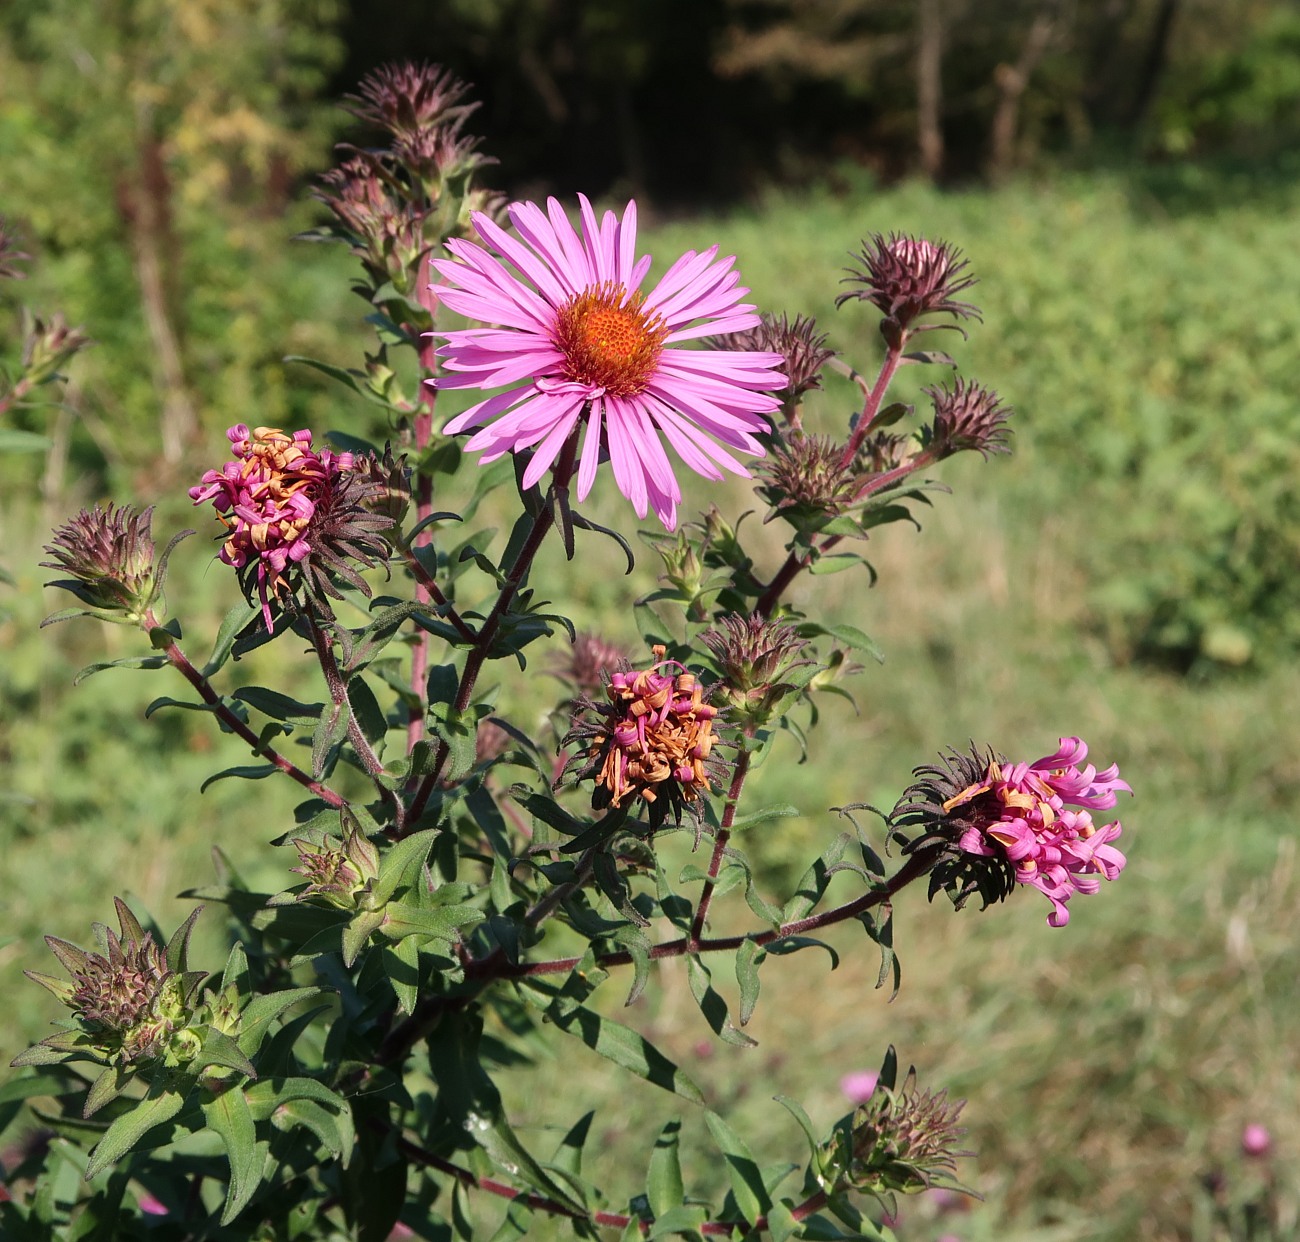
(663, 1182)
(159, 1106)
(608, 1038)
(746, 1179)
(813, 884)
(331, 1126)
(232, 625)
(749, 957)
(256, 1017)
(712, 1006)
(230, 1118)
(400, 865)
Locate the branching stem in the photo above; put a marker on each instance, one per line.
(720, 847)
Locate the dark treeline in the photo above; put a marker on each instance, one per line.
(694, 99)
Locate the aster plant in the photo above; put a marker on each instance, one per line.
(479, 849)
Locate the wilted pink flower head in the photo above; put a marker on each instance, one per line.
(1021, 812)
(651, 740)
(267, 498)
(579, 344)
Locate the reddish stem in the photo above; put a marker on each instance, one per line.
(604, 1220)
(720, 846)
(181, 662)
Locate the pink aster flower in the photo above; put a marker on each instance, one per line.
(267, 498)
(1025, 814)
(578, 343)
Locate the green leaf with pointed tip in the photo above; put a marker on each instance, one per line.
(230, 1118)
(247, 772)
(12, 440)
(622, 1045)
(280, 706)
(929, 357)
(796, 1110)
(31, 1085)
(159, 1106)
(568, 1155)
(232, 625)
(220, 1050)
(746, 1180)
(357, 932)
(266, 1096)
(107, 1087)
(402, 965)
(813, 884)
(712, 1006)
(400, 864)
(256, 1017)
(178, 946)
(749, 957)
(145, 662)
(781, 810)
(331, 1127)
(663, 1181)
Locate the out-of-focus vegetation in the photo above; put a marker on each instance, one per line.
(1141, 320)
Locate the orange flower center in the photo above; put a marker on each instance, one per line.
(608, 340)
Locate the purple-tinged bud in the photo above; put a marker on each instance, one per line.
(802, 347)
(404, 97)
(329, 873)
(110, 555)
(967, 416)
(902, 1141)
(909, 277)
(132, 1001)
(756, 660)
(588, 663)
(806, 481)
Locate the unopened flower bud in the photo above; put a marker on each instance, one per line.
(806, 481)
(330, 873)
(967, 416)
(588, 663)
(902, 1140)
(802, 347)
(110, 555)
(48, 346)
(908, 277)
(756, 659)
(130, 1006)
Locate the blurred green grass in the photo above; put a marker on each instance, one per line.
(1108, 1065)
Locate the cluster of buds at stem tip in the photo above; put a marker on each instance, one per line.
(132, 1003)
(991, 824)
(907, 278)
(801, 346)
(109, 553)
(901, 1140)
(760, 668)
(651, 741)
(396, 204)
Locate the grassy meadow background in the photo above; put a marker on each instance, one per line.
(1117, 577)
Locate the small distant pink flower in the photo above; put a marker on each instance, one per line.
(578, 344)
(1256, 1140)
(1024, 818)
(267, 498)
(858, 1086)
(151, 1206)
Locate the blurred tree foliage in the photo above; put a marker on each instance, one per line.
(156, 152)
(146, 144)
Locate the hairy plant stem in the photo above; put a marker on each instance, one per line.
(427, 349)
(604, 1220)
(515, 577)
(738, 775)
(181, 662)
